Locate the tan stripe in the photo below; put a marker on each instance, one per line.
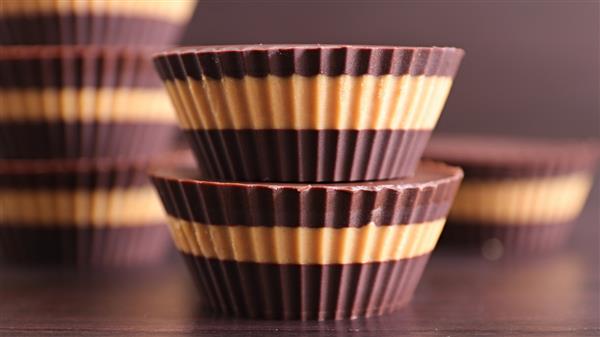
(89, 104)
(522, 201)
(170, 10)
(318, 102)
(306, 245)
(117, 207)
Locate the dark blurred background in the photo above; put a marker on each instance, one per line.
(532, 67)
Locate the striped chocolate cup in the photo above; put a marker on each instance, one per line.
(81, 102)
(84, 213)
(519, 196)
(310, 252)
(308, 113)
(94, 22)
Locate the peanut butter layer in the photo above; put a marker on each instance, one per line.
(168, 10)
(316, 102)
(86, 105)
(523, 201)
(117, 207)
(302, 245)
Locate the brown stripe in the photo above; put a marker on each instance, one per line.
(307, 155)
(381, 203)
(46, 140)
(310, 60)
(507, 240)
(27, 67)
(73, 29)
(499, 158)
(87, 180)
(307, 292)
(83, 247)
(492, 172)
(57, 176)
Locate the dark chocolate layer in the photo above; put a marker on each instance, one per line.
(493, 157)
(306, 60)
(514, 239)
(85, 174)
(307, 292)
(487, 172)
(55, 176)
(43, 67)
(83, 247)
(327, 205)
(51, 140)
(307, 155)
(96, 29)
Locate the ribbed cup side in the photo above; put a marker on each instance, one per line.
(325, 113)
(307, 155)
(312, 206)
(310, 252)
(81, 213)
(306, 292)
(81, 102)
(110, 22)
(83, 247)
(59, 140)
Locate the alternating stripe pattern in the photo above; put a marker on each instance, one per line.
(75, 101)
(232, 99)
(520, 195)
(80, 84)
(309, 87)
(81, 213)
(353, 238)
(169, 10)
(50, 194)
(76, 22)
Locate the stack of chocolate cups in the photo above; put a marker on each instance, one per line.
(309, 200)
(82, 118)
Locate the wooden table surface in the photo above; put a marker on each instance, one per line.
(459, 296)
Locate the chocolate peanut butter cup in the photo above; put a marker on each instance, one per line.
(308, 113)
(520, 195)
(310, 252)
(82, 213)
(98, 22)
(82, 102)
